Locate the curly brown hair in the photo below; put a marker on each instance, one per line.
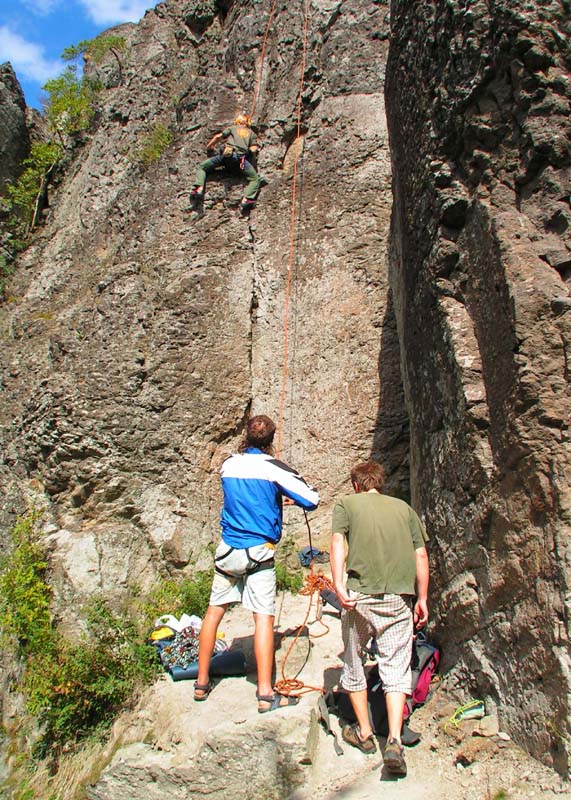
(260, 432)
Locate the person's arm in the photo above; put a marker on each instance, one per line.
(420, 614)
(292, 485)
(215, 139)
(337, 559)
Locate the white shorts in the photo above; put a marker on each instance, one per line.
(255, 590)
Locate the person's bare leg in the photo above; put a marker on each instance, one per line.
(361, 709)
(264, 652)
(206, 642)
(395, 713)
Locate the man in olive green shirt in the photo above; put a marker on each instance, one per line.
(379, 542)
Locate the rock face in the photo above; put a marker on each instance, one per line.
(139, 339)
(14, 135)
(480, 274)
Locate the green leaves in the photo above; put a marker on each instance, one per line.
(70, 106)
(26, 194)
(95, 49)
(153, 145)
(25, 595)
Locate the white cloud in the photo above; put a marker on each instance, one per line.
(112, 12)
(26, 57)
(41, 7)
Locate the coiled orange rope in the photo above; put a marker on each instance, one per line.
(292, 686)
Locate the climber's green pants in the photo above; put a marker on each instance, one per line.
(234, 164)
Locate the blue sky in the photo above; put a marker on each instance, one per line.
(33, 33)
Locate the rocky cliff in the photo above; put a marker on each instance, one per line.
(14, 133)
(480, 272)
(138, 339)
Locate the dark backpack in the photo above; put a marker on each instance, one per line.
(424, 664)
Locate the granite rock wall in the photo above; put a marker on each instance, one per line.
(138, 339)
(480, 270)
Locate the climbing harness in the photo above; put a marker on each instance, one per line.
(257, 566)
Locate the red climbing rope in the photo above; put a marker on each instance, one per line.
(292, 231)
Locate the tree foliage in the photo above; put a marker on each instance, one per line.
(70, 107)
(95, 50)
(26, 194)
(25, 594)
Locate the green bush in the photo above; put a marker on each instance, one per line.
(70, 106)
(25, 196)
(288, 580)
(178, 596)
(77, 688)
(87, 683)
(96, 49)
(25, 594)
(153, 145)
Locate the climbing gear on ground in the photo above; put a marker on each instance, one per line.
(309, 554)
(393, 758)
(351, 735)
(204, 688)
(313, 583)
(275, 701)
(475, 709)
(162, 633)
(423, 664)
(230, 663)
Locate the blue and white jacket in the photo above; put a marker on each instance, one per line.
(254, 484)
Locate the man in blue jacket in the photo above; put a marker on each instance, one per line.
(254, 484)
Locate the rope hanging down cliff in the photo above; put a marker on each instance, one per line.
(260, 74)
(292, 235)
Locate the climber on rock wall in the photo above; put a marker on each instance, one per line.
(239, 146)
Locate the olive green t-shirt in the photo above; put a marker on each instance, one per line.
(240, 137)
(382, 534)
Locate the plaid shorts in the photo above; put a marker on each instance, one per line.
(387, 618)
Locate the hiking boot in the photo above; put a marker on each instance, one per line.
(196, 197)
(393, 758)
(351, 735)
(246, 206)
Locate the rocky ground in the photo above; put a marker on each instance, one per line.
(223, 747)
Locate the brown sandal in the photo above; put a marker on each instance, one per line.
(275, 701)
(205, 688)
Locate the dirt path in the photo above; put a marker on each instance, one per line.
(498, 769)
